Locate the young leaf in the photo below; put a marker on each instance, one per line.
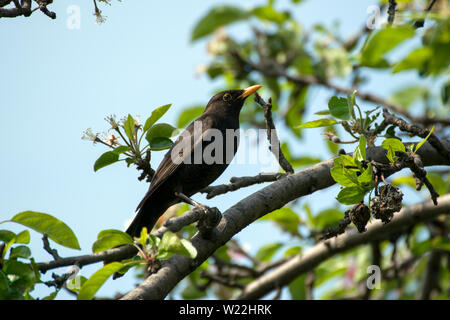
(266, 252)
(286, 218)
(91, 286)
(189, 114)
(160, 143)
(351, 195)
(218, 17)
(156, 115)
(382, 42)
(424, 140)
(128, 126)
(111, 238)
(392, 145)
(159, 130)
(342, 174)
(366, 177)
(317, 123)
(143, 237)
(395, 144)
(339, 108)
(121, 149)
(20, 252)
(171, 244)
(44, 223)
(350, 103)
(297, 288)
(106, 159)
(360, 151)
(414, 60)
(268, 13)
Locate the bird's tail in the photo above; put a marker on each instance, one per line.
(149, 212)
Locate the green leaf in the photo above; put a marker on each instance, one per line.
(106, 159)
(128, 126)
(351, 195)
(191, 292)
(396, 144)
(268, 13)
(424, 140)
(93, 284)
(25, 274)
(160, 143)
(360, 151)
(171, 244)
(218, 17)
(392, 145)
(20, 252)
(44, 223)
(322, 113)
(6, 235)
(341, 174)
(121, 149)
(297, 288)
(366, 177)
(339, 108)
(143, 237)
(322, 277)
(351, 100)
(111, 238)
(286, 218)
(292, 251)
(382, 42)
(188, 115)
(159, 130)
(317, 123)
(156, 115)
(266, 252)
(415, 60)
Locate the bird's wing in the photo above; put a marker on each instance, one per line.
(167, 167)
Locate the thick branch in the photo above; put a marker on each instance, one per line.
(305, 262)
(246, 211)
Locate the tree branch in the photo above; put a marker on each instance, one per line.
(305, 262)
(249, 209)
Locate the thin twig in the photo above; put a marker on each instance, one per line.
(272, 135)
(241, 182)
(47, 248)
(415, 130)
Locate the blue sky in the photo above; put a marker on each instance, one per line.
(57, 82)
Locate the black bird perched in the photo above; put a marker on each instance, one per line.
(187, 168)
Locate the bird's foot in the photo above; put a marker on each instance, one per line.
(210, 219)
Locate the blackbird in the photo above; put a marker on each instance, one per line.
(187, 167)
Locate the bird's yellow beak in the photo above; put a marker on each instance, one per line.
(249, 91)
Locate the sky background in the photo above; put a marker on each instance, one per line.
(56, 82)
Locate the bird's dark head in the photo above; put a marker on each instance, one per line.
(231, 100)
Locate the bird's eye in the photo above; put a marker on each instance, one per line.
(226, 97)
